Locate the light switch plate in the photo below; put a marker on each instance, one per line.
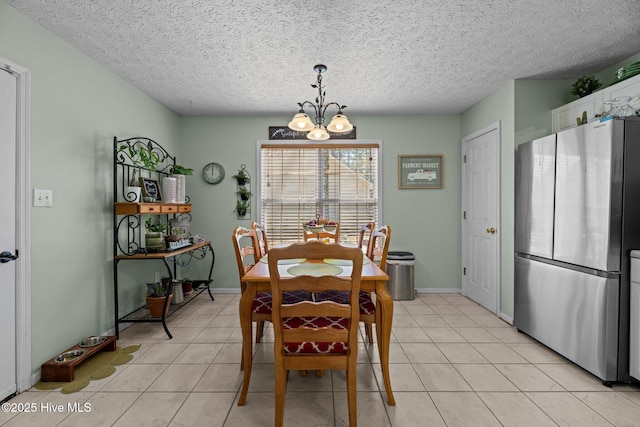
(42, 198)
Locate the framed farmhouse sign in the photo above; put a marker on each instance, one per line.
(420, 171)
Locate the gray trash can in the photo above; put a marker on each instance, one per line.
(400, 266)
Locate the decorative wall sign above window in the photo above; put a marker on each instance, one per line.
(283, 132)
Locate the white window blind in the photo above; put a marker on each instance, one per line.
(299, 182)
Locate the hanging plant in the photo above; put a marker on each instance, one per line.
(244, 193)
(585, 85)
(142, 156)
(241, 177)
(241, 207)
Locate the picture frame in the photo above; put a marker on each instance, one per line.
(151, 188)
(420, 171)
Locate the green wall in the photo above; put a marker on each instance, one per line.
(426, 222)
(77, 106)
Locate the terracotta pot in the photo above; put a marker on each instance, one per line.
(155, 305)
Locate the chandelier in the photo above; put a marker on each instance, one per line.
(317, 131)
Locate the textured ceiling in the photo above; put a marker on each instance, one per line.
(250, 57)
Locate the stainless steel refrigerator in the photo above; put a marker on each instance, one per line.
(577, 219)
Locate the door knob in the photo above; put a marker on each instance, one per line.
(7, 256)
(491, 230)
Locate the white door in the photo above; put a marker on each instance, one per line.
(480, 203)
(8, 121)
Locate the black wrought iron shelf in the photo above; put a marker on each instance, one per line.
(128, 226)
(142, 314)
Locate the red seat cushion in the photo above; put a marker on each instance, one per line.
(366, 303)
(316, 322)
(262, 303)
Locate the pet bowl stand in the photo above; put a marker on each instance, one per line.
(53, 371)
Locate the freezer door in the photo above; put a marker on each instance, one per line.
(571, 312)
(535, 180)
(583, 211)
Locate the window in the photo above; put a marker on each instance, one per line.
(301, 181)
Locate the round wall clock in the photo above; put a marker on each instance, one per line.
(213, 173)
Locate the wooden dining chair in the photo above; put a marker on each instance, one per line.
(245, 245)
(261, 235)
(364, 235)
(377, 250)
(315, 335)
(378, 245)
(333, 235)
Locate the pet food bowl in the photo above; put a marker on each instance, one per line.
(92, 341)
(68, 356)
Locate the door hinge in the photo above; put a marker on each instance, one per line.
(464, 158)
(464, 271)
(464, 215)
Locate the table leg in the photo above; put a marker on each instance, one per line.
(246, 304)
(384, 319)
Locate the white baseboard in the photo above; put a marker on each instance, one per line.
(225, 290)
(438, 290)
(506, 318)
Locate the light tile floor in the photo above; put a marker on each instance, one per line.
(452, 364)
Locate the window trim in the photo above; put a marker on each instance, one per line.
(305, 143)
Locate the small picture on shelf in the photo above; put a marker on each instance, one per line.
(151, 188)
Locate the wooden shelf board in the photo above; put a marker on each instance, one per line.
(162, 255)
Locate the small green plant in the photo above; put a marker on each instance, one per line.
(181, 170)
(582, 120)
(160, 289)
(241, 177)
(241, 207)
(142, 156)
(244, 193)
(154, 227)
(585, 85)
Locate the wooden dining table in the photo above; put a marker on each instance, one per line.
(373, 279)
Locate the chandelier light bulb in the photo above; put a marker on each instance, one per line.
(339, 124)
(319, 133)
(301, 122)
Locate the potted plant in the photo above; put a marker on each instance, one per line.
(187, 286)
(241, 177)
(158, 296)
(133, 190)
(244, 193)
(141, 156)
(173, 234)
(179, 172)
(153, 236)
(241, 207)
(585, 85)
